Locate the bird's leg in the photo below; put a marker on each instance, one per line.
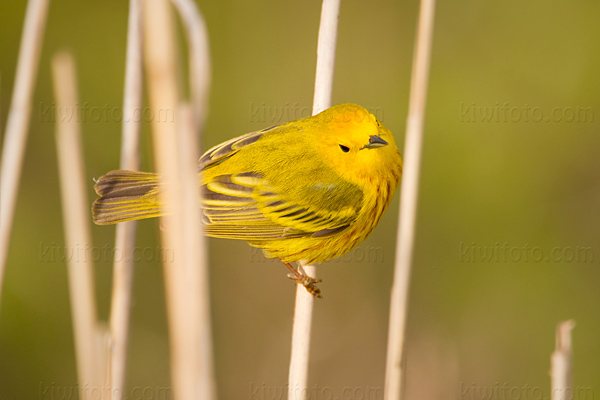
(301, 278)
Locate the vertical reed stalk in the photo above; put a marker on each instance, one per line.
(408, 202)
(196, 263)
(164, 97)
(185, 276)
(561, 363)
(190, 124)
(125, 232)
(303, 310)
(199, 52)
(17, 124)
(77, 232)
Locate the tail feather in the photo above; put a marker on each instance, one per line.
(126, 196)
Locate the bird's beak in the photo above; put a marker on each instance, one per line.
(374, 142)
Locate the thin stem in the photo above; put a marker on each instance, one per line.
(18, 120)
(125, 232)
(326, 55)
(77, 233)
(132, 96)
(408, 202)
(191, 123)
(303, 310)
(185, 276)
(561, 363)
(164, 96)
(298, 375)
(199, 59)
(196, 263)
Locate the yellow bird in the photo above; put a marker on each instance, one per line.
(310, 189)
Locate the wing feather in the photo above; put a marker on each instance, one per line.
(223, 151)
(245, 205)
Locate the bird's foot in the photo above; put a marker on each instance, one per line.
(309, 283)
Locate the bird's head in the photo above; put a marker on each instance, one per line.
(356, 144)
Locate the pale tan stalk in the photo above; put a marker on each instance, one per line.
(195, 263)
(125, 232)
(17, 123)
(199, 50)
(303, 310)
(164, 97)
(76, 216)
(408, 202)
(561, 363)
(191, 368)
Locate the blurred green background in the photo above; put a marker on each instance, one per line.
(508, 224)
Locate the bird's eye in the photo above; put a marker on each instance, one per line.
(344, 148)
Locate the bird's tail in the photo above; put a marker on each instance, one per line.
(126, 196)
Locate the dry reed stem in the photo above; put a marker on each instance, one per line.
(303, 309)
(301, 328)
(195, 263)
(408, 202)
(561, 363)
(326, 55)
(191, 123)
(199, 54)
(126, 232)
(163, 95)
(17, 124)
(77, 233)
(191, 377)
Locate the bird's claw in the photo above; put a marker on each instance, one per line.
(308, 282)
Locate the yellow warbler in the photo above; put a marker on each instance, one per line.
(310, 189)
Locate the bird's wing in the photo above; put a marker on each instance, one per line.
(245, 206)
(223, 151)
(249, 205)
